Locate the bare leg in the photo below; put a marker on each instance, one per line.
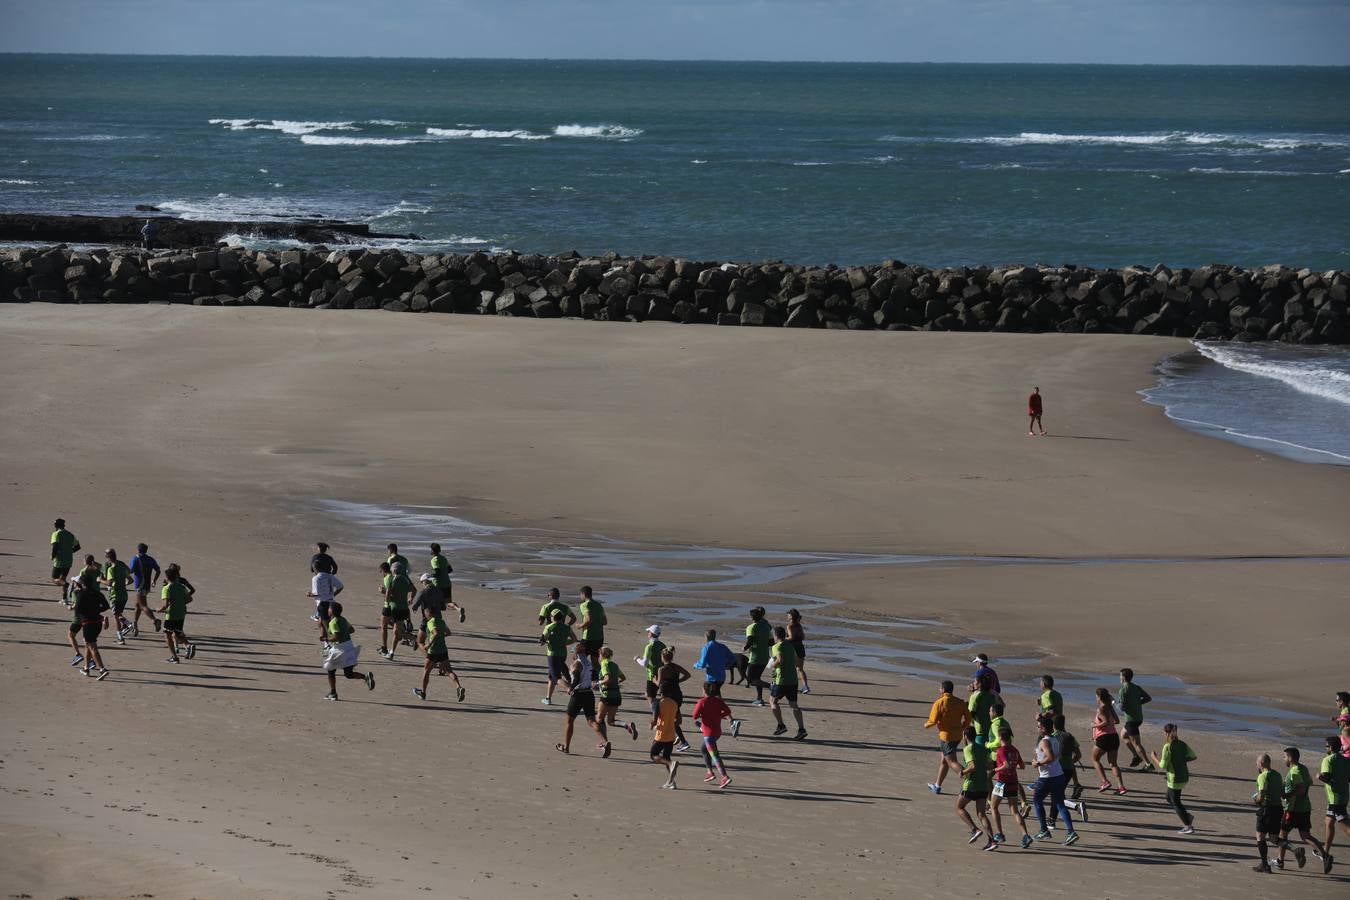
(1097, 764)
(1115, 767)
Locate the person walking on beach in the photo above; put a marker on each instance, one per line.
(665, 720)
(1007, 762)
(1106, 742)
(396, 588)
(797, 637)
(1070, 755)
(593, 621)
(758, 641)
(432, 640)
(1268, 798)
(950, 716)
(115, 577)
(983, 669)
(1175, 761)
(1297, 809)
(144, 574)
(1035, 407)
(341, 653)
(1334, 773)
(669, 677)
(90, 605)
(709, 712)
(582, 703)
(555, 605)
(64, 547)
(1050, 782)
(611, 693)
(650, 660)
(1051, 702)
(321, 561)
(784, 690)
(715, 658)
(556, 637)
(1131, 698)
(975, 789)
(175, 598)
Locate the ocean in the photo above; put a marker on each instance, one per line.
(812, 163)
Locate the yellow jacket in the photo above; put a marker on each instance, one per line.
(951, 717)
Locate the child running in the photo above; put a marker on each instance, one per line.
(709, 712)
(432, 640)
(665, 719)
(341, 653)
(1006, 763)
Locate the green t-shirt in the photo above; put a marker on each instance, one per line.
(1337, 768)
(339, 630)
(1268, 782)
(176, 593)
(609, 669)
(397, 590)
(760, 638)
(64, 554)
(548, 609)
(785, 673)
(991, 739)
(557, 635)
(978, 780)
(1175, 757)
(436, 634)
(398, 558)
(981, 703)
(1297, 774)
(595, 631)
(116, 574)
(1130, 697)
(651, 657)
(440, 571)
(1052, 701)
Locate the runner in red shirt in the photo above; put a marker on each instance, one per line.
(1006, 765)
(709, 712)
(1034, 412)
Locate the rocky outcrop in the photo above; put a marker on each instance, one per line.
(171, 232)
(1274, 303)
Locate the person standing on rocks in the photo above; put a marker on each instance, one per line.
(64, 547)
(758, 641)
(950, 716)
(148, 232)
(1175, 761)
(1131, 698)
(144, 574)
(1035, 407)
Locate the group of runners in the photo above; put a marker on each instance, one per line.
(976, 744)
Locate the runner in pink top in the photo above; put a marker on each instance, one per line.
(1106, 741)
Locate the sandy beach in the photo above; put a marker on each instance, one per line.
(215, 435)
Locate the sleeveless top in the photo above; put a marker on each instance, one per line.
(1053, 769)
(585, 680)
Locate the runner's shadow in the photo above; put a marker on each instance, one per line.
(449, 706)
(1086, 437)
(819, 796)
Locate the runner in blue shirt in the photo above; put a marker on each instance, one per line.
(144, 574)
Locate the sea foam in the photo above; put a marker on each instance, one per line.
(596, 131)
(325, 140)
(518, 134)
(1309, 376)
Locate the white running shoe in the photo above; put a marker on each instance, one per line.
(1187, 830)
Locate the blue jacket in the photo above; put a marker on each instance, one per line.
(715, 659)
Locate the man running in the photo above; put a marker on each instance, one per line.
(90, 605)
(983, 668)
(975, 789)
(582, 703)
(1034, 408)
(397, 588)
(441, 570)
(1051, 702)
(758, 642)
(1050, 782)
(714, 659)
(395, 558)
(1297, 810)
(556, 638)
(709, 712)
(64, 548)
(669, 677)
(432, 600)
(555, 605)
(1175, 759)
(144, 574)
(321, 561)
(1070, 754)
(115, 575)
(1131, 699)
(784, 690)
(950, 716)
(593, 621)
(175, 598)
(432, 640)
(341, 652)
(650, 660)
(611, 693)
(1268, 799)
(1334, 774)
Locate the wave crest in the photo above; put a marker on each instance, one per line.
(1309, 376)
(596, 131)
(518, 134)
(325, 140)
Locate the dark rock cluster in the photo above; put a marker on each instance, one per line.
(1274, 303)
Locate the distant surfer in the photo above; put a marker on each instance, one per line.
(1034, 409)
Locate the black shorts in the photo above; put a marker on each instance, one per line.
(75, 628)
(975, 795)
(800, 647)
(174, 625)
(1336, 812)
(662, 749)
(591, 648)
(119, 606)
(60, 573)
(438, 657)
(322, 608)
(396, 615)
(754, 671)
(557, 668)
(651, 690)
(91, 631)
(786, 692)
(1108, 742)
(1297, 821)
(1268, 820)
(671, 690)
(613, 701)
(582, 703)
(1132, 729)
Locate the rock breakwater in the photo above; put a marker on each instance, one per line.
(1273, 303)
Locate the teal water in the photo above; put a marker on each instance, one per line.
(934, 164)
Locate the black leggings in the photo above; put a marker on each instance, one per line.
(752, 674)
(1174, 801)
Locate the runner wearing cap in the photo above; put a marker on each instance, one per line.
(650, 660)
(144, 573)
(784, 690)
(758, 642)
(981, 661)
(950, 716)
(582, 703)
(555, 638)
(340, 652)
(115, 576)
(1132, 698)
(432, 599)
(397, 588)
(1297, 809)
(64, 548)
(1175, 761)
(1334, 774)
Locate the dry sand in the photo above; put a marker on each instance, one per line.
(204, 431)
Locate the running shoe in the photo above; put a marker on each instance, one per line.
(370, 681)
(1121, 792)
(1082, 811)
(158, 625)
(192, 651)
(1149, 767)
(121, 640)
(421, 694)
(632, 730)
(461, 615)
(547, 701)
(999, 838)
(756, 702)
(1071, 839)
(1279, 864)
(935, 788)
(1327, 860)
(1026, 841)
(781, 729)
(79, 658)
(1043, 835)
(1103, 787)
(172, 659)
(135, 630)
(1134, 761)
(459, 692)
(1187, 830)
(668, 786)
(800, 736)
(682, 747)
(314, 618)
(991, 846)
(726, 780)
(89, 672)
(102, 674)
(607, 750)
(735, 727)
(806, 690)
(1263, 867)
(330, 696)
(1300, 857)
(710, 777)
(974, 835)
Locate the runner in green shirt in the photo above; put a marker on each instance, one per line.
(758, 639)
(611, 693)
(341, 653)
(176, 597)
(1334, 773)
(784, 663)
(556, 637)
(396, 559)
(981, 704)
(555, 605)
(996, 723)
(975, 789)
(397, 589)
(1175, 761)
(1297, 809)
(1052, 703)
(593, 621)
(1268, 798)
(432, 640)
(1131, 699)
(64, 548)
(650, 660)
(115, 576)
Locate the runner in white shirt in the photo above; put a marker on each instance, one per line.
(324, 587)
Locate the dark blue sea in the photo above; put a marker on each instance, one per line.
(932, 164)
